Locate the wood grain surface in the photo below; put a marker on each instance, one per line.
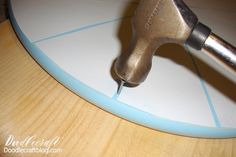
(32, 103)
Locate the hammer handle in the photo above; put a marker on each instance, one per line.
(221, 51)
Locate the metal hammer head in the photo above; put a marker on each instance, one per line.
(155, 22)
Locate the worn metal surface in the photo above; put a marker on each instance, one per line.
(156, 22)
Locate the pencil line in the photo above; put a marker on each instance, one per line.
(79, 29)
(210, 103)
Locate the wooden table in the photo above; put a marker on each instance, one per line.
(32, 103)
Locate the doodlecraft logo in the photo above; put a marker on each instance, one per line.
(32, 144)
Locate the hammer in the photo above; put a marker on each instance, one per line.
(157, 22)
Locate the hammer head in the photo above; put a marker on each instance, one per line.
(155, 22)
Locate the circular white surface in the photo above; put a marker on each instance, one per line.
(77, 42)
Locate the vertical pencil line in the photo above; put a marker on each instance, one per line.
(205, 90)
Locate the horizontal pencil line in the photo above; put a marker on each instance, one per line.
(80, 29)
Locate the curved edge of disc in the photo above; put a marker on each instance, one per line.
(113, 106)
